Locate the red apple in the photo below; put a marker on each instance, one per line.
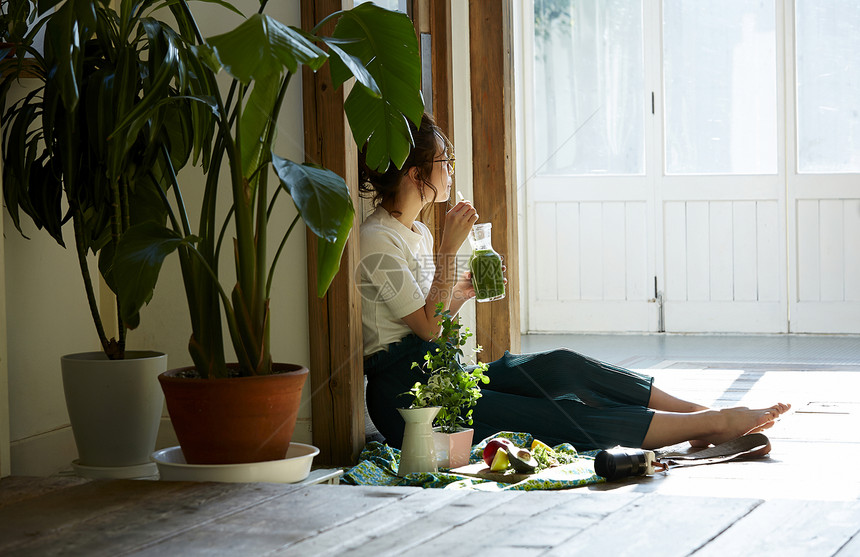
(494, 445)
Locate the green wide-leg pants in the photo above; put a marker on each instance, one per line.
(558, 396)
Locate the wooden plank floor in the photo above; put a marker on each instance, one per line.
(802, 500)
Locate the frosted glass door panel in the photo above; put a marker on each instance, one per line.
(720, 84)
(589, 101)
(828, 80)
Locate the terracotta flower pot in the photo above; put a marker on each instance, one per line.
(234, 420)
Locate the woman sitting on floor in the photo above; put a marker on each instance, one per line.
(557, 396)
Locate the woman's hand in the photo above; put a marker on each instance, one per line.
(458, 223)
(463, 289)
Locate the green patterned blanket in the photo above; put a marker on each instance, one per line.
(378, 466)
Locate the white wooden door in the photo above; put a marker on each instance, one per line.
(590, 249)
(692, 166)
(721, 189)
(824, 166)
(694, 235)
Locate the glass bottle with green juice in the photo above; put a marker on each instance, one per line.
(485, 265)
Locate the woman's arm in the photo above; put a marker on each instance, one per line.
(446, 288)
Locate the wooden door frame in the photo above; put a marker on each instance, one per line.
(334, 321)
(493, 164)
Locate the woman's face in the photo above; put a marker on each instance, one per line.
(443, 170)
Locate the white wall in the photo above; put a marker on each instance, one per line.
(47, 318)
(5, 465)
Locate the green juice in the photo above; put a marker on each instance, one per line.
(487, 276)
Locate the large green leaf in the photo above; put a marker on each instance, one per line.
(385, 43)
(320, 195)
(256, 121)
(329, 255)
(386, 130)
(137, 263)
(261, 47)
(353, 64)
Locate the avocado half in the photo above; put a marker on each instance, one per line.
(521, 459)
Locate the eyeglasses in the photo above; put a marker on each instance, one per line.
(450, 164)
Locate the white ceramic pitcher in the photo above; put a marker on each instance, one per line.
(418, 453)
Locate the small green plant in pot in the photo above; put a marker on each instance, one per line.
(451, 386)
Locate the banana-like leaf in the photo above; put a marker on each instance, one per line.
(256, 121)
(262, 47)
(390, 137)
(385, 43)
(320, 195)
(137, 263)
(354, 65)
(329, 255)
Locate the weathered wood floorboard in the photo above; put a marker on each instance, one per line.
(15, 489)
(412, 537)
(280, 522)
(676, 525)
(354, 533)
(107, 517)
(533, 523)
(797, 527)
(851, 548)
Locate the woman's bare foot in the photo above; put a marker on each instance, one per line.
(778, 409)
(708, 426)
(741, 420)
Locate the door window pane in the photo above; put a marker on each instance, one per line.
(589, 87)
(719, 71)
(828, 81)
(393, 5)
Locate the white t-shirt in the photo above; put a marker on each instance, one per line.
(395, 274)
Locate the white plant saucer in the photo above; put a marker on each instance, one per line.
(295, 467)
(147, 470)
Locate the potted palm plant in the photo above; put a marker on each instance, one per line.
(62, 170)
(212, 404)
(451, 387)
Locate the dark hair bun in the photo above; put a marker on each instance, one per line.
(380, 186)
